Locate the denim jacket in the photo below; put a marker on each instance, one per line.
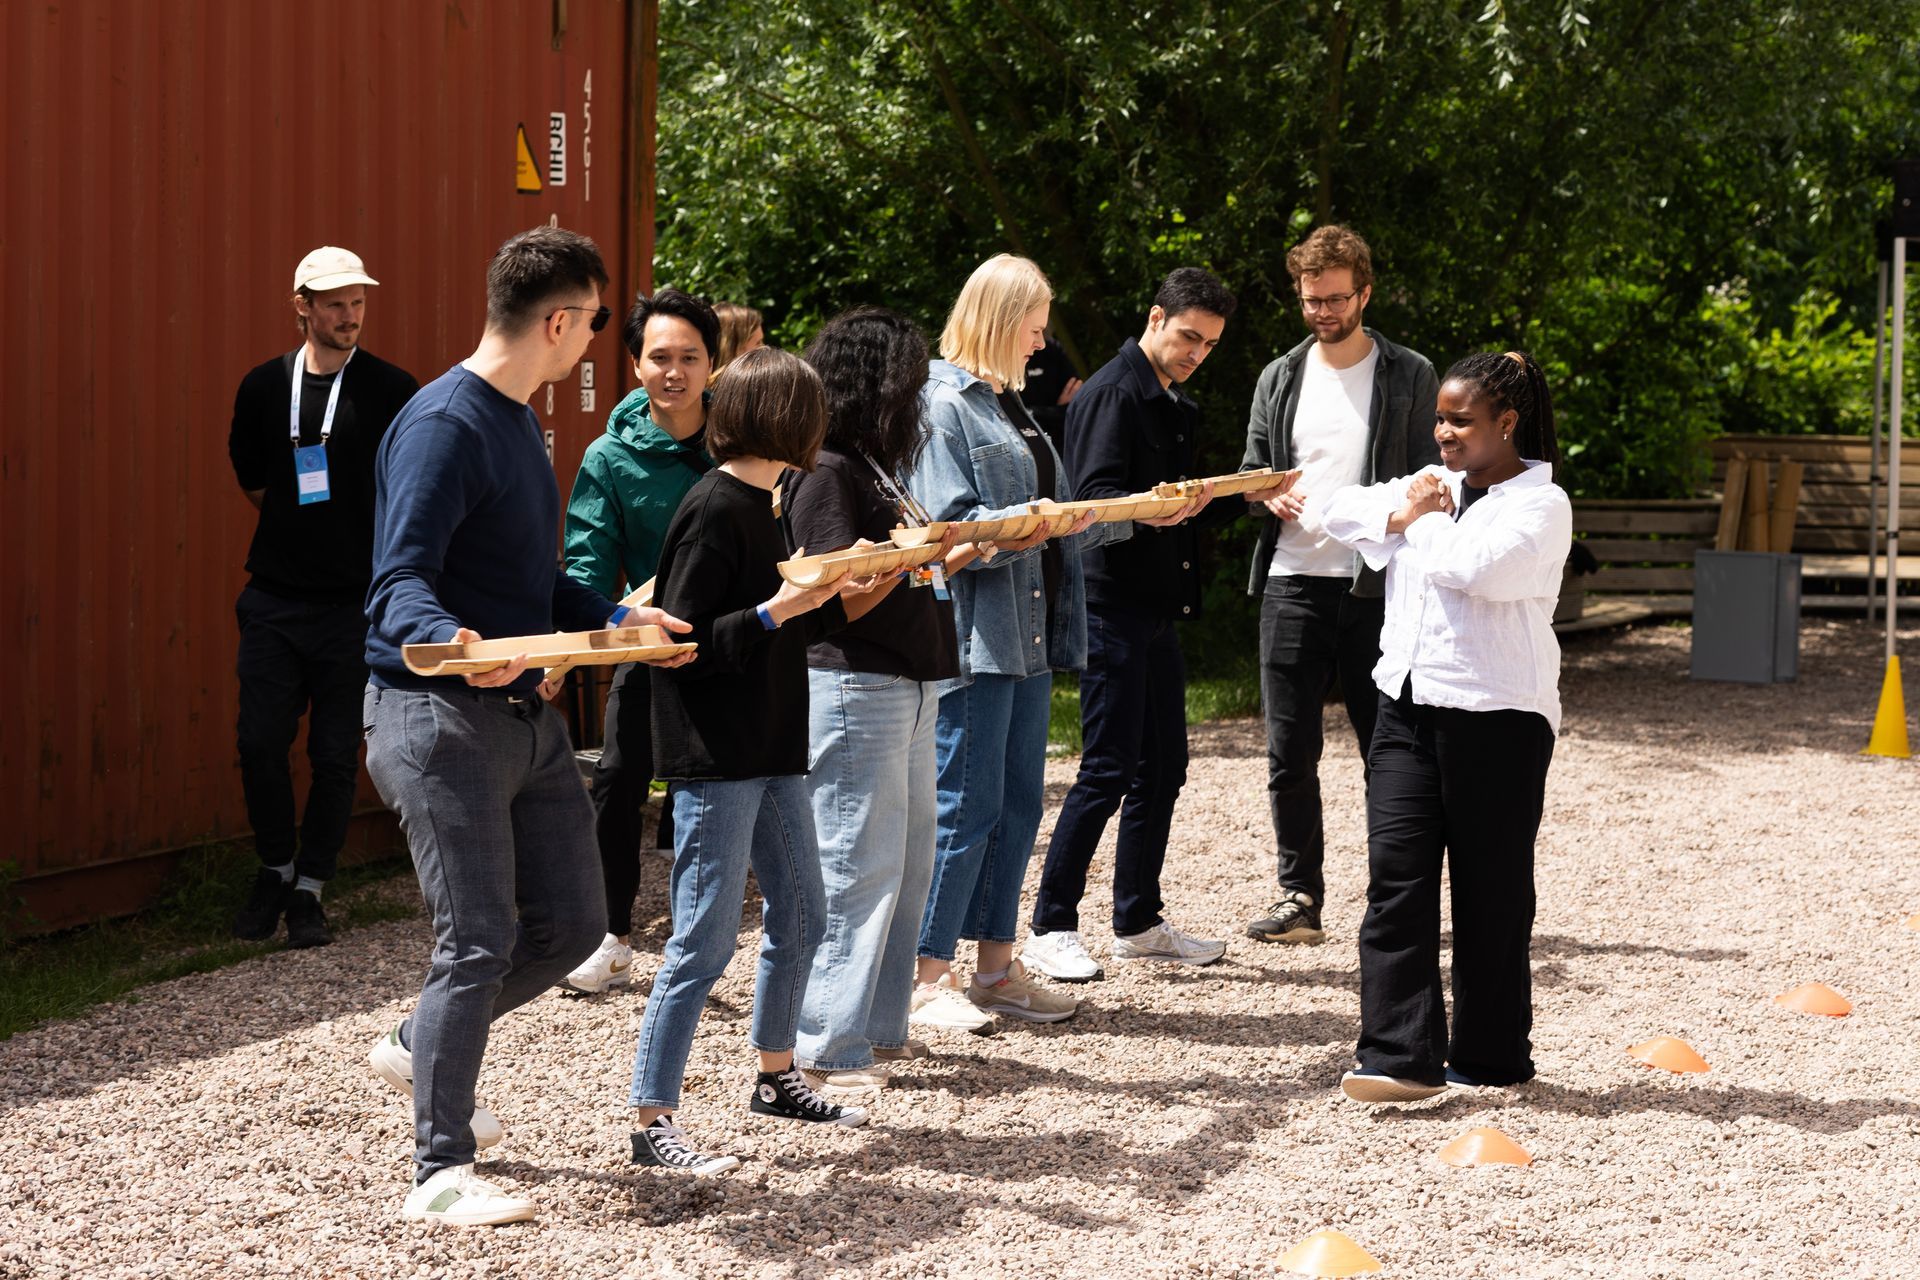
(976, 467)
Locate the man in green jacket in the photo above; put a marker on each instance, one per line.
(629, 483)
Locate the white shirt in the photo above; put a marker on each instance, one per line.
(1330, 448)
(1469, 602)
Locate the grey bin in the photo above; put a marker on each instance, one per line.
(1746, 616)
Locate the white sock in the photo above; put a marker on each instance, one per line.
(307, 884)
(986, 979)
(284, 872)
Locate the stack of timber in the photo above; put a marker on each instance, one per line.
(1806, 494)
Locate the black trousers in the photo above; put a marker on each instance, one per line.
(1312, 630)
(1133, 720)
(298, 658)
(1468, 785)
(620, 782)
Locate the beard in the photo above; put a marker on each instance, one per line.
(1343, 328)
(338, 341)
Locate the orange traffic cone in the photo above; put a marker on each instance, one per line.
(1815, 997)
(1483, 1146)
(1328, 1253)
(1890, 721)
(1669, 1054)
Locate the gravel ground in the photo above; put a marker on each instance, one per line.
(1705, 847)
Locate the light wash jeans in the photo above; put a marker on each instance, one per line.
(719, 829)
(990, 748)
(501, 833)
(872, 785)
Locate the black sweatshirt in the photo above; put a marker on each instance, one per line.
(322, 551)
(739, 710)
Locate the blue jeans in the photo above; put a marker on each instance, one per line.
(990, 747)
(502, 839)
(872, 785)
(1133, 713)
(719, 828)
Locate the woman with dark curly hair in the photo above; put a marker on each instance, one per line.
(872, 704)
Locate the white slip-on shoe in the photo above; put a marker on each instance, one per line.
(392, 1062)
(1377, 1087)
(904, 1053)
(848, 1080)
(458, 1197)
(611, 966)
(1062, 957)
(940, 1004)
(1167, 943)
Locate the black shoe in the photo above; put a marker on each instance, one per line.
(306, 922)
(1295, 918)
(260, 916)
(662, 1146)
(785, 1094)
(1461, 1080)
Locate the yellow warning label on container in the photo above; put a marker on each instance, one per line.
(526, 174)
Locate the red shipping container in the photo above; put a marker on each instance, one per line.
(171, 162)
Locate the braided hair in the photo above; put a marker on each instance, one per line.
(1513, 380)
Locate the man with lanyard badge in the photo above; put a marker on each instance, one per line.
(306, 428)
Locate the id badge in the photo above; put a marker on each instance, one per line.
(310, 473)
(940, 583)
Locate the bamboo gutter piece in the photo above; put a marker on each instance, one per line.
(855, 562)
(639, 598)
(574, 648)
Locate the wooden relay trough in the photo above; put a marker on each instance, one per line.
(562, 648)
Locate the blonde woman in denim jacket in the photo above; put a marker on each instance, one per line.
(1020, 614)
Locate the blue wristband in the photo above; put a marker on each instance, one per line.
(766, 617)
(621, 612)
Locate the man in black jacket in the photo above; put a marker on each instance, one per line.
(1346, 406)
(1130, 428)
(306, 428)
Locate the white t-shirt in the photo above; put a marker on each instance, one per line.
(1330, 448)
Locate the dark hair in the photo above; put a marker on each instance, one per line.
(873, 364)
(1191, 289)
(770, 405)
(1513, 380)
(534, 267)
(1328, 247)
(670, 302)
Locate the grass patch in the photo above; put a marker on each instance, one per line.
(186, 931)
(1225, 695)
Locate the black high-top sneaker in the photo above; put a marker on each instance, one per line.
(786, 1095)
(663, 1146)
(259, 917)
(306, 922)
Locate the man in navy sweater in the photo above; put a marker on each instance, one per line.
(479, 768)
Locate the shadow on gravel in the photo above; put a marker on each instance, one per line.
(1723, 1104)
(1168, 1166)
(1559, 944)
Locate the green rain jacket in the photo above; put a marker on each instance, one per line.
(629, 483)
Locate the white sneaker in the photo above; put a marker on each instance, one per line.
(457, 1196)
(610, 966)
(1061, 956)
(905, 1053)
(850, 1080)
(940, 1004)
(393, 1062)
(1164, 942)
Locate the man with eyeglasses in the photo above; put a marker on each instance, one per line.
(1346, 406)
(479, 768)
(306, 427)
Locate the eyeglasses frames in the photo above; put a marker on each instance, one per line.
(1333, 305)
(600, 316)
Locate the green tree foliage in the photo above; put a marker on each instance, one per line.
(1669, 201)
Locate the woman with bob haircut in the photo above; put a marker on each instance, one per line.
(873, 698)
(1019, 614)
(730, 731)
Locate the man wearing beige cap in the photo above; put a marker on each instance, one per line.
(306, 428)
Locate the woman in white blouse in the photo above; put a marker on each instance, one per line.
(1469, 705)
